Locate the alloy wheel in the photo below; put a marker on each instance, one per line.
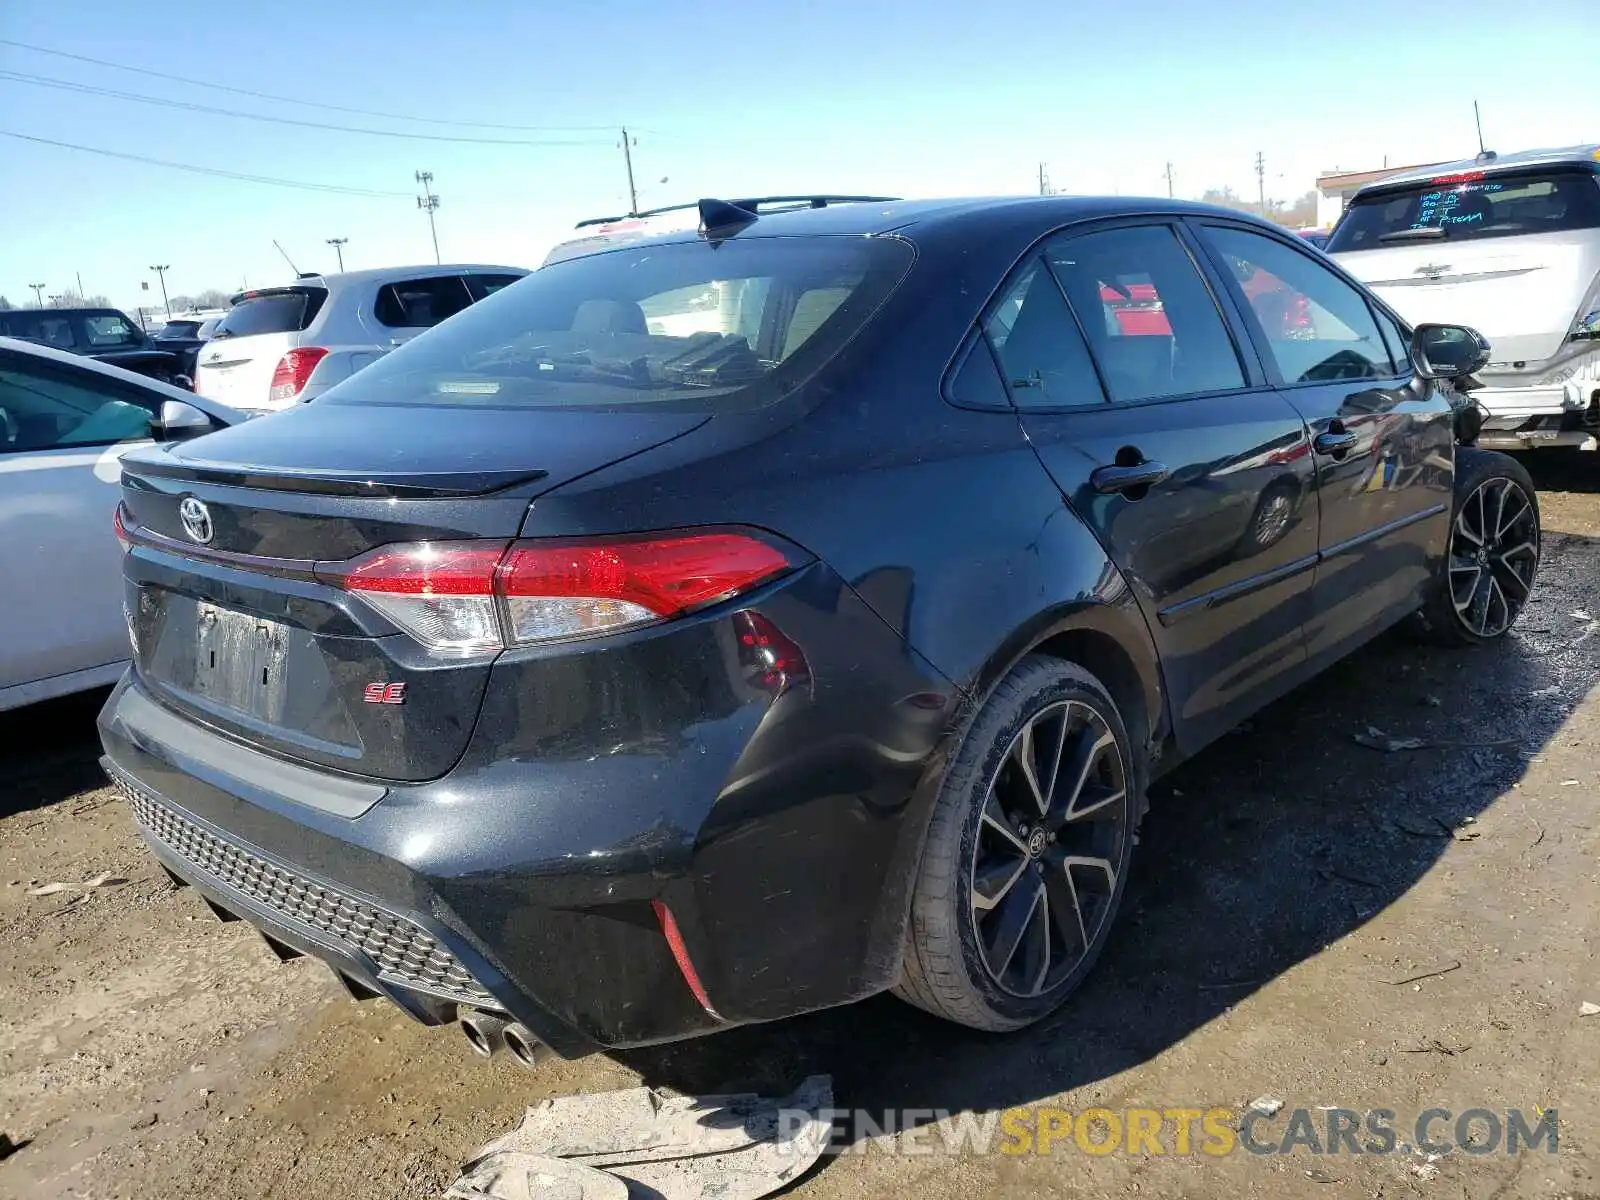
(1273, 519)
(1494, 554)
(1050, 841)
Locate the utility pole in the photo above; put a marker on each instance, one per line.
(161, 274)
(627, 157)
(79, 274)
(429, 203)
(38, 293)
(1477, 118)
(1044, 180)
(338, 245)
(1261, 180)
(1169, 181)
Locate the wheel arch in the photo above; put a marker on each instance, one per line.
(1109, 640)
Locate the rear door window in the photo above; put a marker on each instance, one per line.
(1317, 327)
(421, 303)
(286, 310)
(1153, 326)
(1469, 206)
(692, 326)
(41, 327)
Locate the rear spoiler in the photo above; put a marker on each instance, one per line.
(753, 204)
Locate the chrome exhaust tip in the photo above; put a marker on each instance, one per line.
(524, 1046)
(485, 1033)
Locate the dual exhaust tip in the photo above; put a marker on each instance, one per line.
(489, 1034)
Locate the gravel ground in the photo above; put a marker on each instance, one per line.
(1288, 881)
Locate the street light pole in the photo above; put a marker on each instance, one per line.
(338, 245)
(161, 274)
(429, 203)
(38, 293)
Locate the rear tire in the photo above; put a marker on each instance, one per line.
(1493, 554)
(1027, 852)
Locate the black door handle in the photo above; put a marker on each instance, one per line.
(1126, 479)
(1335, 443)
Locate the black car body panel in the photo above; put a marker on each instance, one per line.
(762, 766)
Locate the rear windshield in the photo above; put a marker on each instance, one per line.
(691, 326)
(287, 311)
(179, 329)
(1470, 206)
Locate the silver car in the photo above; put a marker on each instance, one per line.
(282, 346)
(65, 422)
(1510, 245)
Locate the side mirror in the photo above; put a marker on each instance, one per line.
(1448, 351)
(179, 421)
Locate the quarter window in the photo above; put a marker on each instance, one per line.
(1317, 327)
(109, 331)
(1152, 323)
(1038, 346)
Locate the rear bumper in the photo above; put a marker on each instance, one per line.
(1564, 414)
(780, 823)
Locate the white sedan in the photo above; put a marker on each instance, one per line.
(65, 422)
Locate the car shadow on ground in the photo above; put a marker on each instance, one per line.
(1274, 842)
(1563, 470)
(49, 751)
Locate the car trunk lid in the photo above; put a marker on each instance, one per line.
(1522, 294)
(237, 619)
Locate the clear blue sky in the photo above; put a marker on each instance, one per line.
(913, 99)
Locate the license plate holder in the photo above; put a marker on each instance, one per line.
(241, 661)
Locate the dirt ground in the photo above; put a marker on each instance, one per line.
(1289, 880)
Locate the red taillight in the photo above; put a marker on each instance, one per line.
(293, 370)
(121, 529)
(486, 596)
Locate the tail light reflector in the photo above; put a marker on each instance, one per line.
(293, 371)
(121, 529)
(474, 596)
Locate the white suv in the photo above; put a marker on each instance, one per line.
(1510, 245)
(281, 346)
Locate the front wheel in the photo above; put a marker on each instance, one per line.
(1493, 555)
(1027, 852)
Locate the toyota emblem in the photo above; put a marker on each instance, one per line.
(196, 518)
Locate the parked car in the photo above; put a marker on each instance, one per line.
(65, 421)
(1509, 244)
(103, 334)
(183, 336)
(601, 686)
(1314, 237)
(282, 346)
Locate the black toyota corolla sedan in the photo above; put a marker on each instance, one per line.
(747, 620)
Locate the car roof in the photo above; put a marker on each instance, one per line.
(1585, 155)
(335, 280)
(916, 218)
(78, 362)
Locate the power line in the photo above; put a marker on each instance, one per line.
(360, 112)
(188, 106)
(336, 189)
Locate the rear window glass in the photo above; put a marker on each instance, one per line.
(272, 312)
(692, 326)
(179, 329)
(1470, 206)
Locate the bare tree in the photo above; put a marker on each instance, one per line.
(5, 303)
(1294, 214)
